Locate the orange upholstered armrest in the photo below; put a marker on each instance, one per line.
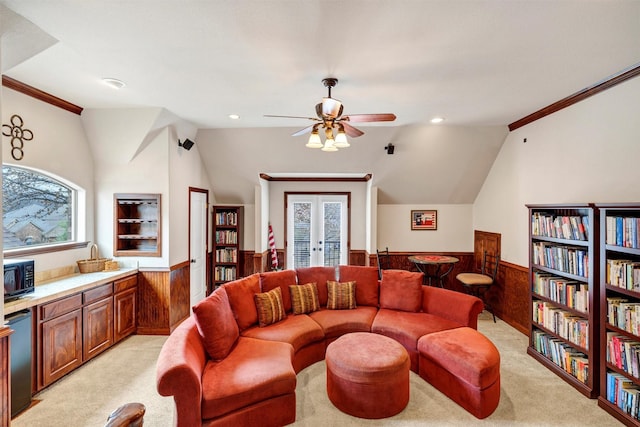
(451, 305)
(179, 372)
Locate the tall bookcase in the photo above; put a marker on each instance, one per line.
(620, 311)
(227, 236)
(564, 334)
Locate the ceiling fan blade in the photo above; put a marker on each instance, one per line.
(291, 117)
(331, 108)
(351, 131)
(360, 118)
(303, 131)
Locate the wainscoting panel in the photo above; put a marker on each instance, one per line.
(163, 299)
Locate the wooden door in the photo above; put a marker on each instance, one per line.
(97, 327)
(484, 241)
(124, 306)
(61, 346)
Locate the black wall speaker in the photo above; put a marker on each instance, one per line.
(187, 144)
(390, 147)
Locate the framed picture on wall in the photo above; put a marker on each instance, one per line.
(424, 220)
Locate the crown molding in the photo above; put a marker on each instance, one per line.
(31, 91)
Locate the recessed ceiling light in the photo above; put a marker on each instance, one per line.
(437, 120)
(114, 83)
(234, 116)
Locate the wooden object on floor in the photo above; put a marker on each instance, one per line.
(563, 250)
(128, 415)
(227, 239)
(619, 258)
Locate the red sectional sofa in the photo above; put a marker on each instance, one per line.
(225, 366)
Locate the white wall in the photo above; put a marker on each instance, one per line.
(453, 234)
(585, 153)
(60, 147)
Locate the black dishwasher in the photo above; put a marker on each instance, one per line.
(20, 344)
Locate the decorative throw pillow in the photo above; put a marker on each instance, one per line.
(341, 295)
(216, 324)
(269, 306)
(304, 298)
(401, 290)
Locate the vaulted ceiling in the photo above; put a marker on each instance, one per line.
(480, 64)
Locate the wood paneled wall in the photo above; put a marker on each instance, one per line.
(163, 299)
(509, 297)
(5, 379)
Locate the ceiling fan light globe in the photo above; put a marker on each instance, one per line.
(314, 140)
(341, 140)
(329, 145)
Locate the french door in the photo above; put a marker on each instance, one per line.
(316, 230)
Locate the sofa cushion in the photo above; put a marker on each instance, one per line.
(342, 295)
(367, 285)
(279, 279)
(253, 372)
(216, 324)
(269, 306)
(320, 275)
(401, 290)
(243, 305)
(304, 298)
(407, 328)
(299, 331)
(335, 323)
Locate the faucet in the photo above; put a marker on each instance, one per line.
(94, 247)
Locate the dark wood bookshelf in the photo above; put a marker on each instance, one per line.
(612, 251)
(574, 236)
(227, 240)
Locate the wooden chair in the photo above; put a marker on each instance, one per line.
(128, 415)
(384, 261)
(477, 284)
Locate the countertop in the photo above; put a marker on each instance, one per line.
(64, 286)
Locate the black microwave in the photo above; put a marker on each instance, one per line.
(18, 278)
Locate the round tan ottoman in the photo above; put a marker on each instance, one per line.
(367, 375)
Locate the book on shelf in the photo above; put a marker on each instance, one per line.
(623, 274)
(622, 392)
(571, 293)
(623, 314)
(622, 231)
(574, 329)
(567, 259)
(573, 227)
(227, 218)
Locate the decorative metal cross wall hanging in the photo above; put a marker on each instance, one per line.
(18, 136)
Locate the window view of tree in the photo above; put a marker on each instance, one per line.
(36, 209)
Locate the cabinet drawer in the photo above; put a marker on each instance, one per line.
(61, 306)
(126, 283)
(97, 293)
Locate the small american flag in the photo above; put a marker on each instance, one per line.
(274, 252)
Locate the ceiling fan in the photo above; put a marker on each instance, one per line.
(330, 117)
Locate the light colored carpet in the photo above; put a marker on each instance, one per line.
(530, 394)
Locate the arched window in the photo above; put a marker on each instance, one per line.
(38, 209)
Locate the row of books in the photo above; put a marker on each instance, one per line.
(226, 237)
(623, 353)
(622, 231)
(623, 393)
(567, 259)
(624, 314)
(562, 227)
(623, 274)
(562, 354)
(227, 255)
(226, 218)
(571, 293)
(573, 328)
(225, 273)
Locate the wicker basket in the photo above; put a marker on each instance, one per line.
(94, 264)
(91, 265)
